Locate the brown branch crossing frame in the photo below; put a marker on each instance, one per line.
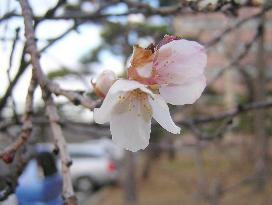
(68, 192)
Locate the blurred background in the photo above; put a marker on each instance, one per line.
(223, 154)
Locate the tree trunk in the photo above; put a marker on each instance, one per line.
(129, 184)
(259, 115)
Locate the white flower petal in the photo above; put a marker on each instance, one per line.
(145, 70)
(131, 129)
(180, 60)
(186, 93)
(102, 114)
(128, 85)
(161, 114)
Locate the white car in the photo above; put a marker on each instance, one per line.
(94, 163)
(112, 150)
(92, 167)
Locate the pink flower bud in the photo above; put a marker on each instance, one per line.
(8, 156)
(103, 83)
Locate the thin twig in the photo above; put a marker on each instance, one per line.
(235, 60)
(8, 15)
(12, 84)
(24, 65)
(135, 8)
(75, 97)
(217, 134)
(240, 109)
(8, 154)
(238, 24)
(52, 11)
(148, 10)
(9, 69)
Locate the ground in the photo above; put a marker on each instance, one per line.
(181, 181)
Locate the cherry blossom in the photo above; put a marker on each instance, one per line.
(174, 66)
(129, 107)
(170, 72)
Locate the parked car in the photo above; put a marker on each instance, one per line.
(113, 151)
(96, 163)
(91, 168)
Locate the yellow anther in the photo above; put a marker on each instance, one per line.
(154, 87)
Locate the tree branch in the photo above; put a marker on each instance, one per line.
(8, 154)
(230, 114)
(237, 25)
(22, 68)
(24, 64)
(9, 69)
(75, 97)
(68, 192)
(236, 59)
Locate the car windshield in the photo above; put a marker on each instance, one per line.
(86, 155)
